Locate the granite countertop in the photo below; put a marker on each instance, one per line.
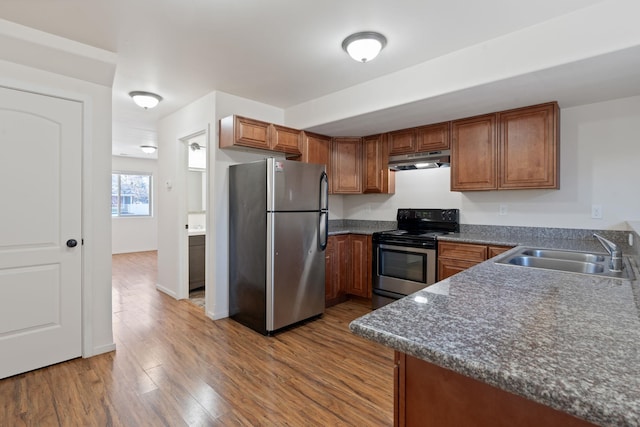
(197, 232)
(359, 227)
(568, 341)
(536, 240)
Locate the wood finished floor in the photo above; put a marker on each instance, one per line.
(173, 366)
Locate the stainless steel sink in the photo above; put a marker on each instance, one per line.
(557, 264)
(566, 255)
(567, 261)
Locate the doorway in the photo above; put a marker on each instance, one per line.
(196, 146)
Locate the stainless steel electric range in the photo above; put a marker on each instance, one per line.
(405, 259)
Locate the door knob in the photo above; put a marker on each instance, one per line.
(72, 243)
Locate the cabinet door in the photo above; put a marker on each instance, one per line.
(331, 269)
(402, 141)
(528, 147)
(377, 177)
(196, 261)
(337, 269)
(429, 395)
(241, 131)
(317, 149)
(473, 153)
(360, 283)
(347, 166)
(285, 140)
(433, 137)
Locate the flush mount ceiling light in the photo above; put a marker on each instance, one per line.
(364, 46)
(145, 100)
(149, 149)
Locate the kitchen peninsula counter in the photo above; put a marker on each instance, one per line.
(567, 341)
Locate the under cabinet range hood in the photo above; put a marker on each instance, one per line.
(431, 159)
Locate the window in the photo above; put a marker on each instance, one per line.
(130, 194)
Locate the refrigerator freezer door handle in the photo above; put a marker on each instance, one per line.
(323, 203)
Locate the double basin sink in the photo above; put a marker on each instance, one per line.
(567, 261)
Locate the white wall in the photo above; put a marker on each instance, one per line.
(599, 164)
(96, 216)
(171, 200)
(141, 233)
(202, 114)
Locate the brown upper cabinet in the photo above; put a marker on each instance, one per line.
(346, 166)
(286, 140)
(237, 131)
(317, 149)
(420, 139)
(528, 147)
(473, 153)
(377, 178)
(514, 149)
(402, 141)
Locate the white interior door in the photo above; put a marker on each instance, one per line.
(40, 215)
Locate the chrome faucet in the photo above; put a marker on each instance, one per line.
(616, 253)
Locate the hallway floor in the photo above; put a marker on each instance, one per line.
(174, 366)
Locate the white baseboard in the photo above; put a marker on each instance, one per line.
(217, 316)
(166, 291)
(101, 350)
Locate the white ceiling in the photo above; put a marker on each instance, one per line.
(282, 53)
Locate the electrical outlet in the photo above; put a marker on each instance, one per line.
(596, 211)
(503, 209)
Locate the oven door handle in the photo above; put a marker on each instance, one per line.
(406, 249)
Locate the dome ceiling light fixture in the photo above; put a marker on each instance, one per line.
(149, 149)
(364, 46)
(145, 100)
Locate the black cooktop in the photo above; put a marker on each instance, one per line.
(421, 225)
(414, 233)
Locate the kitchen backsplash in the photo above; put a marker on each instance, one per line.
(617, 236)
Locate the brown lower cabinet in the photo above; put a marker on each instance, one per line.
(428, 395)
(196, 262)
(347, 268)
(456, 257)
(336, 269)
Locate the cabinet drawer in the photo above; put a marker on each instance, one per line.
(448, 267)
(496, 250)
(462, 251)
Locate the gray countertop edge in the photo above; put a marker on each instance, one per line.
(604, 409)
(494, 377)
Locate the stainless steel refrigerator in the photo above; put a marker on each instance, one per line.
(278, 224)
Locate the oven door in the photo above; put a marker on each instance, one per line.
(402, 270)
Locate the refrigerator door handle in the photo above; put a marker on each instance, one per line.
(323, 230)
(323, 217)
